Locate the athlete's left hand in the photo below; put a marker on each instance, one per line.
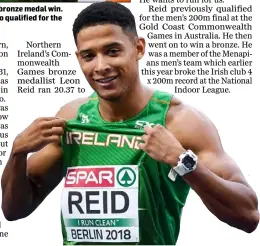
(161, 145)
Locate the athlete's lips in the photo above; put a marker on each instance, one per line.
(106, 80)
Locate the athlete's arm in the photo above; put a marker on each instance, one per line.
(22, 192)
(217, 179)
(26, 183)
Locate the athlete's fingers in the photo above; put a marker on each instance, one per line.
(54, 131)
(141, 146)
(148, 129)
(144, 138)
(52, 139)
(53, 123)
(60, 118)
(40, 119)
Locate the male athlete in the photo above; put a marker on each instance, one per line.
(128, 154)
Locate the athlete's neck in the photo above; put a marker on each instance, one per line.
(130, 105)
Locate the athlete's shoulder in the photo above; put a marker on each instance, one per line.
(188, 124)
(69, 110)
(176, 108)
(182, 114)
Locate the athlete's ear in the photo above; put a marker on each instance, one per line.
(140, 48)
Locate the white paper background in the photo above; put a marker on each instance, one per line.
(235, 116)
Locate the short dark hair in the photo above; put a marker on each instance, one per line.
(101, 13)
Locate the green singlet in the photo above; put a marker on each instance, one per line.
(115, 193)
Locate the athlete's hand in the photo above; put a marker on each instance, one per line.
(41, 132)
(161, 145)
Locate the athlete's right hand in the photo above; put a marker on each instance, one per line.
(40, 133)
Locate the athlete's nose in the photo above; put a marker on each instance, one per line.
(102, 66)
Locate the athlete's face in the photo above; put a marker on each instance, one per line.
(109, 59)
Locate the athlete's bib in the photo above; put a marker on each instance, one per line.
(100, 204)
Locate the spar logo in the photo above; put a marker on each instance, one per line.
(90, 177)
(126, 177)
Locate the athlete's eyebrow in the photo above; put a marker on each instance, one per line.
(112, 45)
(83, 52)
(107, 46)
